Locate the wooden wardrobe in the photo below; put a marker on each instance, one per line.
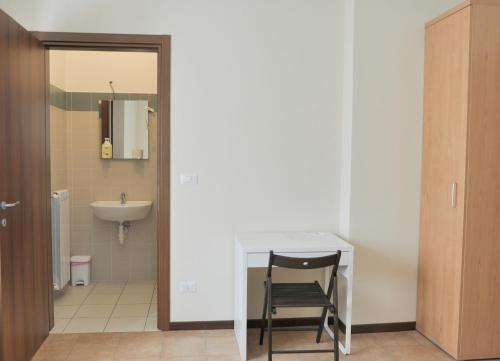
(459, 262)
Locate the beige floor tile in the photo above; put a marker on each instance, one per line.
(289, 340)
(371, 354)
(98, 299)
(151, 324)
(135, 310)
(184, 344)
(224, 358)
(99, 339)
(184, 358)
(281, 340)
(56, 341)
(95, 347)
(79, 325)
(219, 333)
(363, 341)
(142, 282)
(65, 311)
(153, 310)
(94, 311)
(59, 325)
(126, 324)
(69, 300)
(146, 344)
(110, 283)
(108, 288)
(307, 340)
(134, 298)
(105, 300)
(292, 357)
(91, 355)
(412, 353)
(139, 288)
(194, 346)
(420, 339)
(440, 355)
(56, 348)
(321, 357)
(222, 345)
(56, 355)
(407, 338)
(79, 290)
(199, 333)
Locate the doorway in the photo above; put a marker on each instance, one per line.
(160, 46)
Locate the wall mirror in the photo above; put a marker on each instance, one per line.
(124, 129)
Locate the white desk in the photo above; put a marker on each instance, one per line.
(252, 251)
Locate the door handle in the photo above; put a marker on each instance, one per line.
(454, 195)
(4, 205)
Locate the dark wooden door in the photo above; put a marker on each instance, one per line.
(25, 231)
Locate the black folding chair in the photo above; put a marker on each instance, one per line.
(301, 295)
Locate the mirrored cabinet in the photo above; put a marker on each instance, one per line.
(124, 129)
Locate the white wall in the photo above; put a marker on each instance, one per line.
(258, 112)
(254, 85)
(385, 153)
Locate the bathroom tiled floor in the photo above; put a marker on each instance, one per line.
(106, 307)
(220, 345)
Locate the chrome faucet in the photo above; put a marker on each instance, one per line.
(123, 198)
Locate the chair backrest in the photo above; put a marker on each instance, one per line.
(304, 263)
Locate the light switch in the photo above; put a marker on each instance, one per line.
(187, 287)
(189, 178)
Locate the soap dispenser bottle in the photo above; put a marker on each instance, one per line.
(107, 149)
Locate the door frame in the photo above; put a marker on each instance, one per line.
(132, 42)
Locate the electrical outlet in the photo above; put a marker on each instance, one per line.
(187, 287)
(189, 179)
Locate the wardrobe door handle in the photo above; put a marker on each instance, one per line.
(454, 195)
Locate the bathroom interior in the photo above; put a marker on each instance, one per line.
(103, 137)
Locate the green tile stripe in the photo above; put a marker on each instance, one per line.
(57, 97)
(80, 101)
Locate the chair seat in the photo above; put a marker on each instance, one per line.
(298, 295)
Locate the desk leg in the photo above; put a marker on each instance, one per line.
(240, 301)
(347, 273)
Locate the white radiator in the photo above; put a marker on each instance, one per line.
(60, 239)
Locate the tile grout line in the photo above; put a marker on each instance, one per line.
(149, 309)
(114, 308)
(147, 314)
(78, 308)
(115, 305)
(127, 304)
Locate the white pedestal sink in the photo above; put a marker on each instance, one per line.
(115, 211)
